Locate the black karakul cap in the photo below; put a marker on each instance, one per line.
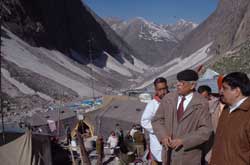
(187, 75)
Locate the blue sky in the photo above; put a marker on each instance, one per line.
(159, 11)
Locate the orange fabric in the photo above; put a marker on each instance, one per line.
(198, 69)
(157, 98)
(219, 81)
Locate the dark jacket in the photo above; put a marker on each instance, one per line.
(232, 139)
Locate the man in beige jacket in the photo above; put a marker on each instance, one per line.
(183, 123)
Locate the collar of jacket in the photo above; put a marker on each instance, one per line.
(194, 104)
(196, 99)
(245, 106)
(171, 100)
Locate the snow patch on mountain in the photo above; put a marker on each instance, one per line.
(181, 28)
(138, 63)
(113, 64)
(151, 31)
(64, 61)
(21, 86)
(20, 53)
(181, 24)
(195, 59)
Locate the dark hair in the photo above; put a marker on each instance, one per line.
(204, 88)
(238, 79)
(160, 80)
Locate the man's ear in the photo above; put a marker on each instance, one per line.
(193, 85)
(238, 91)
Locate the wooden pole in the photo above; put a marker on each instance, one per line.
(91, 69)
(59, 111)
(99, 150)
(58, 121)
(84, 158)
(2, 109)
(72, 155)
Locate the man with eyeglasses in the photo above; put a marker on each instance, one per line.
(161, 89)
(232, 138)
(182, 122)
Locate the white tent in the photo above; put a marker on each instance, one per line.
(209, 74)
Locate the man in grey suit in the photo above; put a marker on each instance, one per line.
(182, 122)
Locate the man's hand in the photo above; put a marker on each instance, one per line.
(175, 143)
(166, 141)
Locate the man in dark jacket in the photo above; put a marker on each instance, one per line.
(232, 139)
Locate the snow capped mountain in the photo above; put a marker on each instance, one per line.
(181, 24)
(181, 28)
(151, 31)
(147, 30)
(221, 41)
(152, 41)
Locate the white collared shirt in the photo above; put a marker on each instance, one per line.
(236, 105)
(187, 100)
(147, 116)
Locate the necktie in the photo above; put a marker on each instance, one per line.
(180, 110)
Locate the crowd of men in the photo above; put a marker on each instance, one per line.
(189, 127)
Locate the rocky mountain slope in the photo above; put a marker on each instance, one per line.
(211, 43)
(153, 42)
(64, 25)
(61, 49)
(227, 27)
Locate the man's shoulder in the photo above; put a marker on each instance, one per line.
(170, 96)
(199, 98)
(152, 102)
(200, 101)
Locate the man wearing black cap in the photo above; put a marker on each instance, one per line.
(182, 122)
